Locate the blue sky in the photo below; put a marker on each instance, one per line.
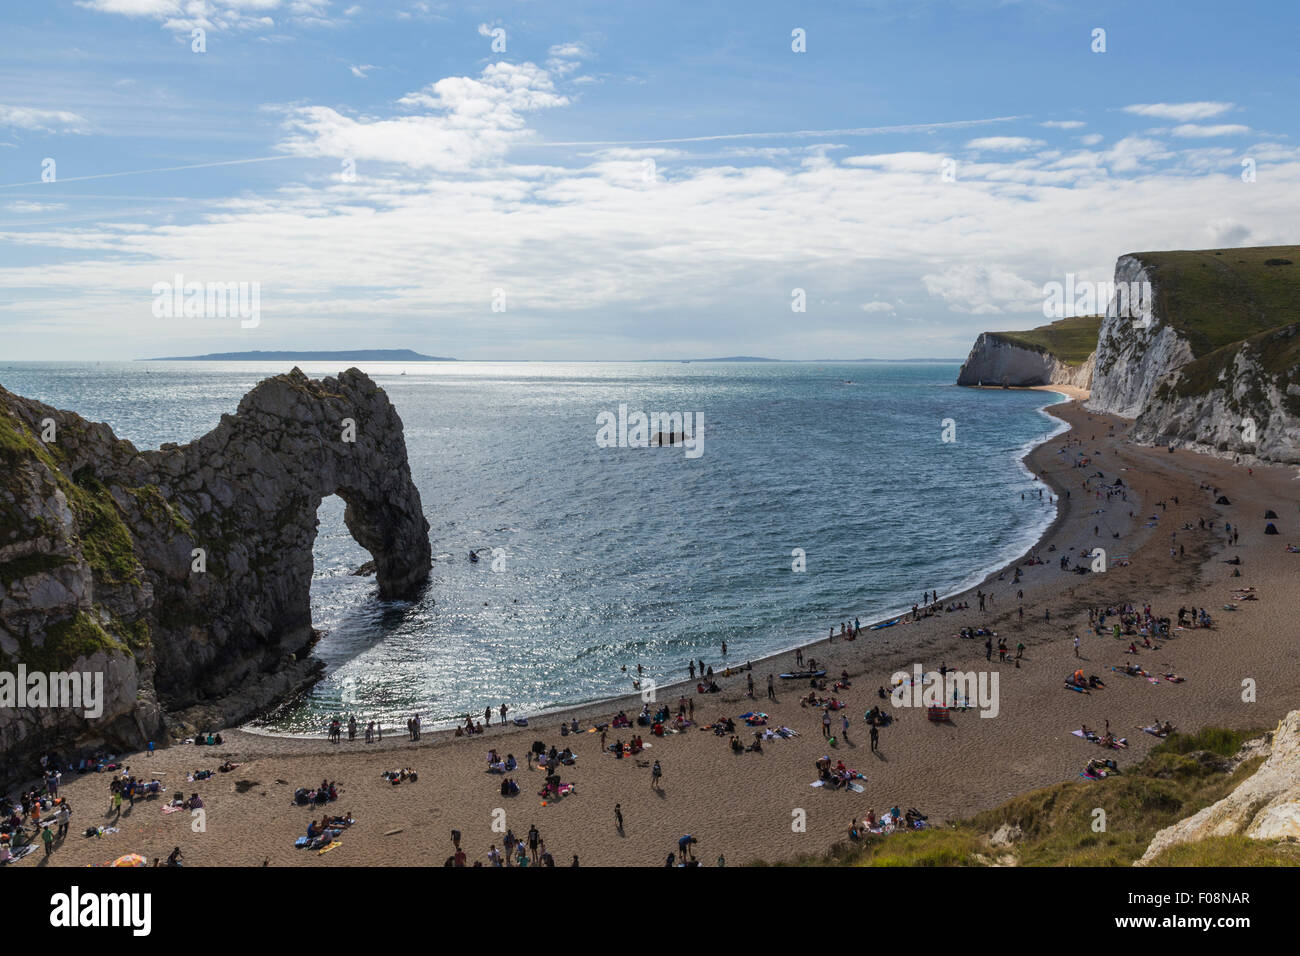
(627, 180)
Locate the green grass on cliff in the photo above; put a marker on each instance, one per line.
(1071, 340)
(105, 542)
(1056, 822)
(1277, 353)
(1215, 297)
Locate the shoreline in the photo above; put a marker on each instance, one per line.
(740, 805)
(586, 709)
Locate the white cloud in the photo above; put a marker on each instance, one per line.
(1180, 112)
(470, 121)
(877, 306)
(48, 121)
(1004, 144)
(984, 289)
(1194, 130)
(1064, 124)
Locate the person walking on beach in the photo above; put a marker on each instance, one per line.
(724, 650)
(504, 708)
(48, 837)
(534, 838)
(826, 723)
(656, 773)
(692, 665)
(988, 648)
(487, 716)
(845, 720)
(875, 738)
(771, 689)
(750, 681)
(798, 657)
(1076, 645)
(618, 817)
(64, 816)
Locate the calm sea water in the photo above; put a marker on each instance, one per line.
(610, 557)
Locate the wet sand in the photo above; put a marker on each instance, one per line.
(745, 807)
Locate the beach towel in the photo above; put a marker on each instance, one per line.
(333, 846)
(23, 851)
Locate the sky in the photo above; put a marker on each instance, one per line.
(620, 181)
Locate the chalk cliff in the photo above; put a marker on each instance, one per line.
(1217, 366)
(1264, 807)
(997, 360)
(184, 573)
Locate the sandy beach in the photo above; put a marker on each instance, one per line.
(747, 806)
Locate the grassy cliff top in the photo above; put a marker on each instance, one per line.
(1215, 297)
(1071, 340)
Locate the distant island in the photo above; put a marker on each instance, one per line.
(359, 355)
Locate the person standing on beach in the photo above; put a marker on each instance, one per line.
(771, 689)
(724, 650)
(487, 716)
(692, 665)
(826, 723)
(1076, 645)
(845, 719)
(618, 817)
(504, 708)
(988, 648)
(750, 681)
(875, 738)
(656, 773)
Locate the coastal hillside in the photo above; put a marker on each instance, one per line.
(183, 574)
(1215, 367)
(1057, 354)
(1214, 798)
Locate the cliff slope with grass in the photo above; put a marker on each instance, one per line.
(184, 574)
(1057, 354)
(1147, 815)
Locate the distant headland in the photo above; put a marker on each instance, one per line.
(359, 355)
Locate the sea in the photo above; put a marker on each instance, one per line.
(821, 493)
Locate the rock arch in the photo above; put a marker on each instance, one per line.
(104, 540)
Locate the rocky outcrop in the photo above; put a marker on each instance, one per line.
(1265, 807)
(185, 573)
(997, 360)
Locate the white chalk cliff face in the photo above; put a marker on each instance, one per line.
(1264, 807)
(1250, 412)
(1132, 356)
(998, 361)
(1241, 410)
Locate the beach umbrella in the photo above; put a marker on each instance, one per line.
(131, 859)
